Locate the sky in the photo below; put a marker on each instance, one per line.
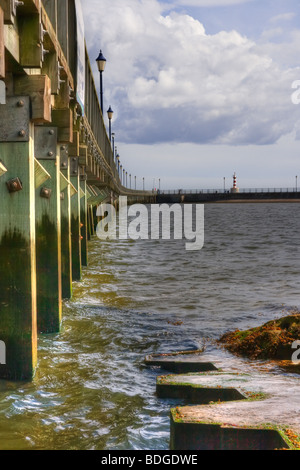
(201, 89)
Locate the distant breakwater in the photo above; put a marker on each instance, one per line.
(228, 197)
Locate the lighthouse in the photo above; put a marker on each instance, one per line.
(235, 189)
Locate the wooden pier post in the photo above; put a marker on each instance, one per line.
(75, 220)
(18, 325)
(84, 221)
(48, 233)
(66, 243)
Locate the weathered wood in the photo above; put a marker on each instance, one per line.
(62, 100)
(50, 68)
(51, 10)
(76, 230)
(30, 41)
(63, 26)
(8, 10)
(83, 221)
(48, 251)
(83, 155)
(12, 41)
(51, 42)
(63, 119)
(2, 50)
(74, 147)
(38, 87)
(66, 241)
(17, 268)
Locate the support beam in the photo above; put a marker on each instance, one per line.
(38, 87)
(75, 221)
(66, 241)
(18, 325)
(84, 221)
(2, 49)
(48, 242)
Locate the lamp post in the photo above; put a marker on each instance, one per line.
(113, 144)
(296, 184)
(121, 174)
(135, 182)
(110, 114)
(159, 184)
(224, 179)
(143, 184)
(101, 62)
(130, 180)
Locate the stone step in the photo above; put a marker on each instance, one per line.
(180, 362)
(267, 419)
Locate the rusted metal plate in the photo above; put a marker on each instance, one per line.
(74, 166)
(45, 143)
(14, 119)
(64, 157)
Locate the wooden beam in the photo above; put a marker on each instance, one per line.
(63, 119)
(2, 50)
(17, 268)
(74, 147)
(51, 10)
(38, 87)
(63, 26)
(76, 230)
(12, 41)
(30, 41)
(66, 241)
(48, 250)
(8, 10)
(84, 222)
(50, 68)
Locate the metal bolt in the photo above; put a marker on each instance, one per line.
(20, 104)
(63, 147)
(50, 154)
(22, 133)
(51, 132)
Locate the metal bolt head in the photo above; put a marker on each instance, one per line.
(20, 104)
(46, 193)
(50, 154)
(22, 133)
(14, 185)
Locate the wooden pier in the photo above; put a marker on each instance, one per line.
(56, 166)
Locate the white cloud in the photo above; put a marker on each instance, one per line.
(211, 3)
(168, 80)
(282, 17)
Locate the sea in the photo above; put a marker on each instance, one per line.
(92, 389)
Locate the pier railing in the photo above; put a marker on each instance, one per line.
(225, 191)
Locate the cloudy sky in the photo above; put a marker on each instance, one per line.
(201, 88)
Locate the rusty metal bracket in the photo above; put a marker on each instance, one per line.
(74, 166)
(64, 157)
(14, 119)
(45, 143)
